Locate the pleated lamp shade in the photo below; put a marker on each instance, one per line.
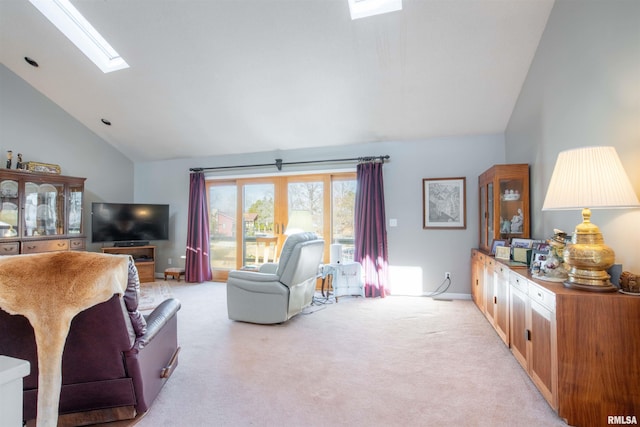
(589, 177)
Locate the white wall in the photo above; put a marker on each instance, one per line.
(34, 126)
(411, 249)
(583, 89)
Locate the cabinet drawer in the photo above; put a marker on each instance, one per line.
(45, 246)
(77, 244)
(542, 296)
(519, 282)
(11, 248)
(502, 271)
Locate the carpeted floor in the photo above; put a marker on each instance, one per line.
(398, 361)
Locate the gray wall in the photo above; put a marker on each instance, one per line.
(34, 126)
(418, 257)
(583, 89)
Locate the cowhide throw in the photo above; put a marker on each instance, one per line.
(49, 289)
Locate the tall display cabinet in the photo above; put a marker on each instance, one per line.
(504, 204)
(40, 212)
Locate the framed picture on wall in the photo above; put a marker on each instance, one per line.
(444, 203)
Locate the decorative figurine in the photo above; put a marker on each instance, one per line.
(554, 268)
(516, 222)
(9, 157)
(505, 226)
(19, 163)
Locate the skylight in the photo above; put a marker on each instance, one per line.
(364, 8)
(72, 24)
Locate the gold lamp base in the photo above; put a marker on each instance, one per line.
(588, 258)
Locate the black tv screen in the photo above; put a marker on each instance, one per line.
(130, 222)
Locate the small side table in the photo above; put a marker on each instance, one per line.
(343, 279)
(326, 272)
(12, 371)
(347, 280)
(174, 272)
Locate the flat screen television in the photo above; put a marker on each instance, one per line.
(129, 224)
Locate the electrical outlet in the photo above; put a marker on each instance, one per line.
(447, 275)
(170, 261)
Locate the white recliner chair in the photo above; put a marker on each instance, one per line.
(277, 292)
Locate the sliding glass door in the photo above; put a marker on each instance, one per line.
(251, 218)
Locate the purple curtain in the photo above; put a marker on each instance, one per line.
(197, 265)
(371, 232)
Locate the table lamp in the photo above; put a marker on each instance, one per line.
(299, 221)
(584, 178)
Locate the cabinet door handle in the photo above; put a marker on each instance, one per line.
(527, 333)
(495, 299)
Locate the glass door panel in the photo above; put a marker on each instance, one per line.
(343, 216)
(511, 208)
(258, 221)
(306, 207)
(490, 213)
(9, 208)
(75, 209)
(483, 217)
(223, 202)
(48, 200)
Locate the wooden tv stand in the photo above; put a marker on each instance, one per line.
(144, 257)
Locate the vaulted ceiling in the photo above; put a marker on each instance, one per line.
(236, 76)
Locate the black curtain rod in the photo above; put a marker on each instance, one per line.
(279, 163)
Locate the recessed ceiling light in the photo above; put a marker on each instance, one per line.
(106, 122)
(72, 24)
(364, 8)
(31, 62)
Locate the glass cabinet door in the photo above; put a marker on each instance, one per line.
(44, 209)
(9, 208)
(75, 209)
(483, 217)
(512, 211)
(490, 214)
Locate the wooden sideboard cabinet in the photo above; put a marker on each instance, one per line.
(40, 212)
(580, 349)
(143, 256)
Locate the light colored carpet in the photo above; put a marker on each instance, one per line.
(398, 361)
